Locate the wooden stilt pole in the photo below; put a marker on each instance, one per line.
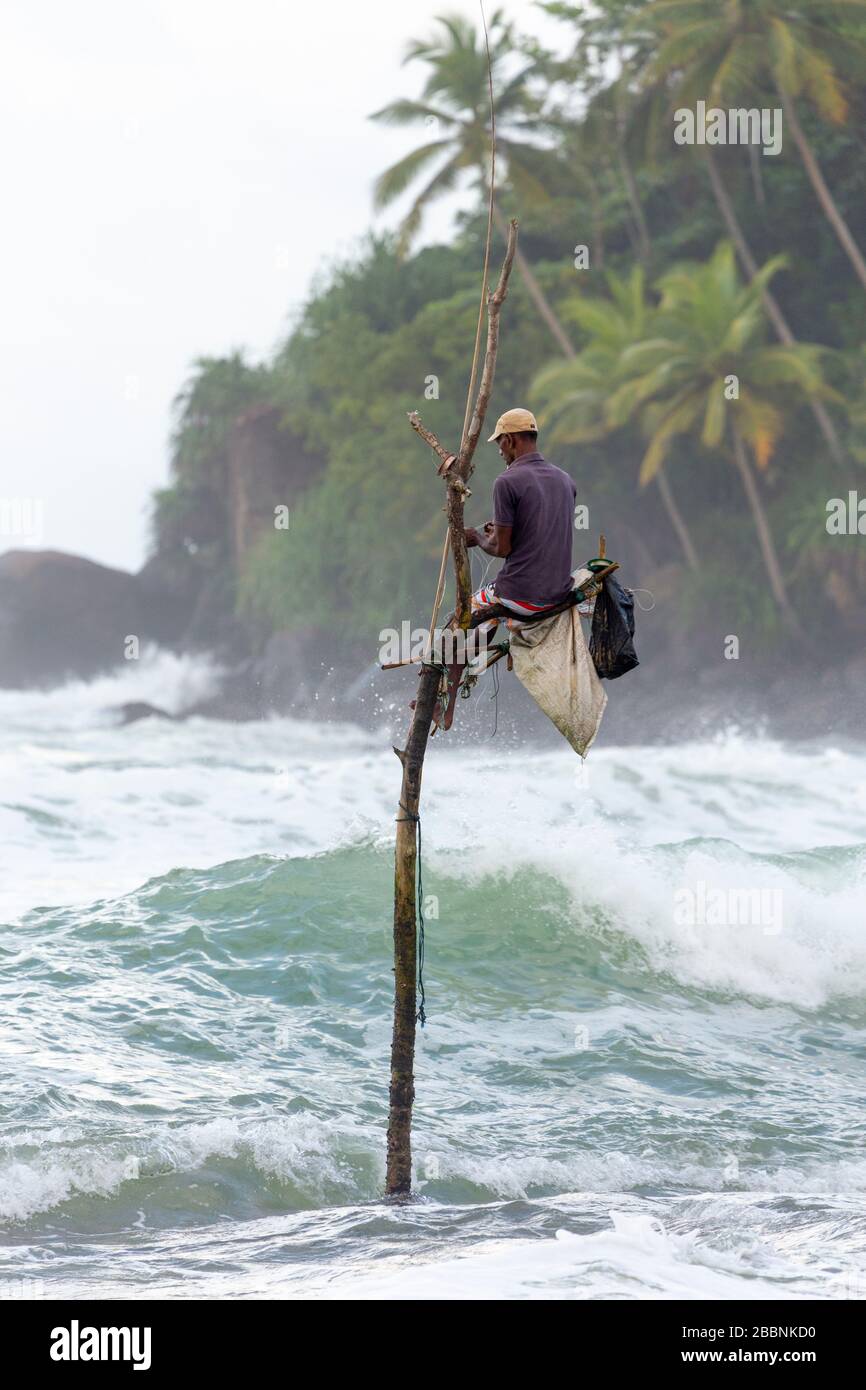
(456, 470)
(399, 1176)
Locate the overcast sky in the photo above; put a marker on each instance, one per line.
(174, 173)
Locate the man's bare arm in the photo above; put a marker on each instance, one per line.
(494, 540)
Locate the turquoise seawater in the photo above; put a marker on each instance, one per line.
(617, 1095)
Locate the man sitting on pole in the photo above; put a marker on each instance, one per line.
(532, 526)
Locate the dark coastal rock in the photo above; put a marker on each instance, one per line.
(62, 616)
(134, 710)
(168, 600)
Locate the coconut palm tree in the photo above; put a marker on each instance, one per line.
(574, 395)
(708, 372)
(599, 135)
(656, 92)
(455, 105)
(725, 52)
(780, 324)
(215, 393)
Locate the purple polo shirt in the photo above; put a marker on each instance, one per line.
(536, 499)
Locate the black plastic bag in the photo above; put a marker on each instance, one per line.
(610, 645)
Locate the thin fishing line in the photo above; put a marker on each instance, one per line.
(421, 1015)
(650, 606)
(495, 698)
(473, 376)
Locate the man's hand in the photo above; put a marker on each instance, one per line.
(482, 537)
(494, 540)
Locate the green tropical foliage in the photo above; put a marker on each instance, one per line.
(626, 362)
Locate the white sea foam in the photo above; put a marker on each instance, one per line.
(811, 949)
(320, 1160)
(633, 1259)
(171, 682)
(313, 1156)
(90, 810)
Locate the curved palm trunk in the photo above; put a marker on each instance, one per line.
(765, 536)
(536, 293)
(542, 304)
(774, 313)
(629, 180)
(597, 223)
(676, 519)
(633, 199)
(825, 197)
(757, 175)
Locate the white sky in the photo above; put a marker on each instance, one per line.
(174, 172)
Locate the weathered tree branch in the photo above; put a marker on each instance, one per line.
(458, 471)
(429, 438)
(482, 400)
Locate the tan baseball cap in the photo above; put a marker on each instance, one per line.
(515, 421)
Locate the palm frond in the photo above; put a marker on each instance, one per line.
(397, 179)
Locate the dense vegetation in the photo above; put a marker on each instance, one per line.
(705, 263)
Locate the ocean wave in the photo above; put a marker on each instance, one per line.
(703, 913)
(170, 680)
(232, 1166)
(634, 1258)
(303, 1161)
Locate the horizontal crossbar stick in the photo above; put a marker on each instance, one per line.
(498, 610)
